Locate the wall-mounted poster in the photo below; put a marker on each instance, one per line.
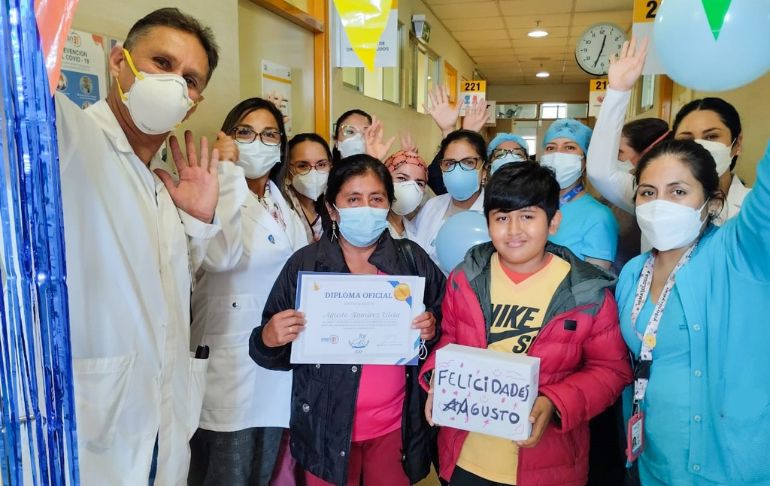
(83, 76)
(276, 87)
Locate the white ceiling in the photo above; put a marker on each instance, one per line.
(494, 34)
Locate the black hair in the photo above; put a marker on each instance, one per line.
(473, 138)
(726, 112)
(174, 18)
(522, 185)
(309, 137)
(357, 165)
(336, 155)
(296, 140)
(643, 132)
(694, 156)
(242, 109)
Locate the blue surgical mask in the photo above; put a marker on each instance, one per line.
(361, 226)
(506, 159)
(461, 184)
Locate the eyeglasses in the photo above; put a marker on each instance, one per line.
(347, 131)
(303, 167)
(269, 136)
(501, 152)
(468, 163)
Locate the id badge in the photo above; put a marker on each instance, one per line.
(635, 437)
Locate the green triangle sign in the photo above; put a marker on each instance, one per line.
(716, 10)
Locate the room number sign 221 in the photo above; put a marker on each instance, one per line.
(474, 86)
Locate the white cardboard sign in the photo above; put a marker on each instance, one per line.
(485, 391)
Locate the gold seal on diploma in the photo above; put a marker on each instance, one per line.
(401, 292)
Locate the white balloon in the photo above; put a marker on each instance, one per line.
(683, 40)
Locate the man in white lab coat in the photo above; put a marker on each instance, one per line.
(134, 237)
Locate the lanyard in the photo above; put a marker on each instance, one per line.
(571, 194)
(649, 339)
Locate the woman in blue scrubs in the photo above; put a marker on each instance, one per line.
(588, 227)
(693, 312)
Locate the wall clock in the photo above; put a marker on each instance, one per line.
(597, 45)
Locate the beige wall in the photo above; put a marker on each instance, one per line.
(539, 92)
(266, 36)
(397, 118)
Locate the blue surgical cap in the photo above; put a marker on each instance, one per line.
(571, 129)
(501, 138)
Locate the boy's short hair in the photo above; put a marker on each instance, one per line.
(522, 185)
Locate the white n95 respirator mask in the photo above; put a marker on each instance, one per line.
(157, 103)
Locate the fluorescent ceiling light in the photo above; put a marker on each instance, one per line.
(538, 32)
(542, 74)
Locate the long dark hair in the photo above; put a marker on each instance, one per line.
(643, 132)
(296, 140)
(242, 109)
(473, 138)
(694, 156)
(726, 112)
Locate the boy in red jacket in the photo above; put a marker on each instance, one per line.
(521, 294)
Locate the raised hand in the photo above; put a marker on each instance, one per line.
(375, 146)
(227, 148)
(407, 143)
(475, 116)
(197, 190)
(444, 114)
(626, 68)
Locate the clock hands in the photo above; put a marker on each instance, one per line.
(600, 51)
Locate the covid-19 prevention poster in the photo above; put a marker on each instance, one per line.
(83, 75)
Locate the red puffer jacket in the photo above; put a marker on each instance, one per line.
(584, 363)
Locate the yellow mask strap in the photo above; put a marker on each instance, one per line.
(137, 74)
(131, 64)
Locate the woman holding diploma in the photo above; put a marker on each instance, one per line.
(351, 422)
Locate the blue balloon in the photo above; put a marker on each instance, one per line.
(691, 56)
(457, 235)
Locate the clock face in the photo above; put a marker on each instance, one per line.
(597, 46)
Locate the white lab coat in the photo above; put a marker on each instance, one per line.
(431, 217)
(130, 258)
(617, 185)
(227, 305)
(410, 230)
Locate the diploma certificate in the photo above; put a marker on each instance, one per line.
(358, 319)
